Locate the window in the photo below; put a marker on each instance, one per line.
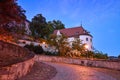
(86, 39)
(91, 40)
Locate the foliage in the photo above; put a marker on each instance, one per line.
(119, 56)
(100, 55)
(77, 44)
(50, 54)
(10, 11)
(55, 25)
(94, 54)
(60, 42)
(77, 49)
(88, 54)
(73, 53)
(4, 36)
(38, 27)
(35, 49)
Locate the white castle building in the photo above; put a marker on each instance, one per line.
(77, 32)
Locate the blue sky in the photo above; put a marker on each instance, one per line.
(100, 17)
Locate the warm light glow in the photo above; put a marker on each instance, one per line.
(86, 46)
(43, 42)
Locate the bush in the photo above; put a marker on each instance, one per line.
(119, 56)
(51, 54)
(100, 56)
(35, 49)
(73, 53)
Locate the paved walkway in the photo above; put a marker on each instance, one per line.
(75, 72)
(60, 71)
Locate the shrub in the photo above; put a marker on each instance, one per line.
(73, 53)
(35, 49)
(100, 56)
(119, 56)
(51, 54)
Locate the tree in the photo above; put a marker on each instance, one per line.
(38, 26)
(35, 49)
(10, 11)
(79, 50)
(60, 43)
(55, 25)
(77, 44)
(119, 56)
(100, 55)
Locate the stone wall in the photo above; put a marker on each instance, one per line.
(84, 62)
(11, 54)
(17, 70)
(15, 61)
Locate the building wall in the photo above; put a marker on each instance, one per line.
(70, 40)
(86, 39)
(22, 43)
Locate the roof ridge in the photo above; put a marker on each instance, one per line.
(72, 28)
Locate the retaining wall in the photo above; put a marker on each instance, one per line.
(15, 61)
(84, 62)
(17, 70)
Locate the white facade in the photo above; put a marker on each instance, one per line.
(44, 46)
(70, 40)
(58, 33)
(86, 39)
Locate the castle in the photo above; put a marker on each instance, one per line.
(77, 32)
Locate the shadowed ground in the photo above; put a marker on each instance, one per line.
(40, 71)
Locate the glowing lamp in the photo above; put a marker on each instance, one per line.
(43, 42)
(86, 46)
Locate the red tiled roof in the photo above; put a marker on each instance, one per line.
(73, 32)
